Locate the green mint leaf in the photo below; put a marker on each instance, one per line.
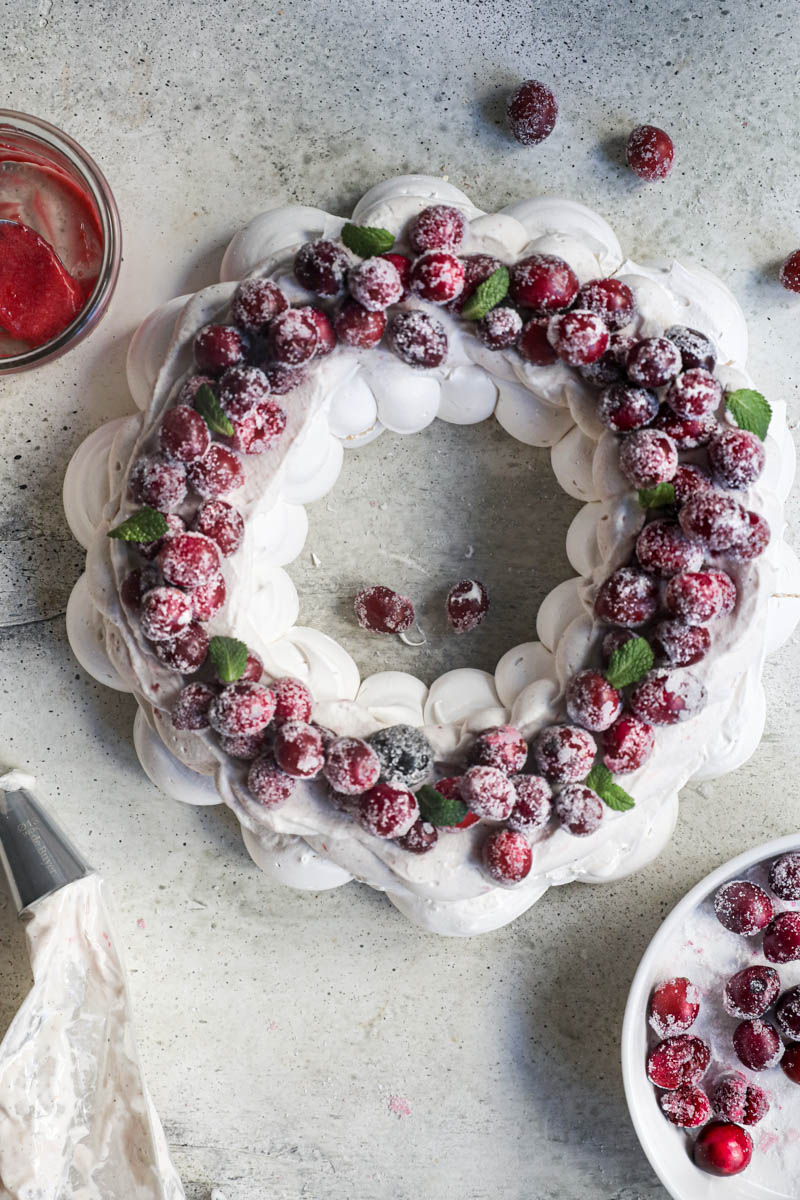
(210, 410)
(146, 525)
(229, 657)
(657, 497)
(600, 780)
(438, 809)
(750, 411)
(366, 240)
(487, 295)
(629, 663)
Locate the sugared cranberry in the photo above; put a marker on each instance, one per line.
(623, 408)
(667, 697)
(186, 652)
(743, 907)
(269, 784)
(695, 394)
(298, 749)
(451, 789)
(686, 432)
(628, 744)
(507, 856)
(253, 670)
(500, 328)
(477, 269)
(388, 810)
(723, 1148)
(653, 361)
(136, 584)
(241, 709)
(543, 283)
(715, 520)
(326, 334)
(375, 283)
(689, 481)
(697, 597)
(421, 837)
(664, 549)
(579, 809)
(749, 993)
(696, 349)
(674, 1006)
(613, 640)
(738, 1100)
(648, 457)
(789, 273)
(677, 1061)
(437, 277)
(533, 344)
(217, 347)
(605, 371)
(418, 339)
(628, 597)
(218, 473)
(488, 792)
(466, 605)
(222, 523)
(405, 753)
(189, 559)
(578, 337)
(782, 938)
(592, 702)
(755, 540)
(757, 1045)
(293, 337)
(381, 610)
(293, 700)
(351, 766)
(687, 1107)
(534, 804)
(650, 152)
(784, 876)
(192, 386)
(241, 389)
(737, 458)
(611, 299)
(439, 227)
(190, 710)
(259, 429)
(283, 379)
(183, 435)
(357, 326)
(564, 753)
(209, 597)
(679, 645)
(165, 611)
(503, 747)
(255, 303)
(790, 1063)
(321, 267)
(247, 746)
(150, 550)
(532, 110)
(402, 264)
(157, 482)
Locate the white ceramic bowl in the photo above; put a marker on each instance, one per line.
(664, 1145)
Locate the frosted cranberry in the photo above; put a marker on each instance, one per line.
(437, 277)
(737, 458)
(789, 274)
(623, 408)
(784, 876)
(694, 394)
(650, 152)
(150, 550)
(628, 597)
(241, 389)
(209, 597)
(532, 110)
(269, 784)
(715, 520)
(222, 523)
(183, 434)
(351, 766)
(738, 1100)
(605, 371)
(687, 1107)
(283, 379)
(466, 605)
(611, 299)
(648, 457)
(186, 652)
(255, 303)
(217, 347)
(293, 700)
(628, 744)
(507, 856)
(190, 710)
(503, 747)
(754, 542)
(533, 344)
(674, 1006)
(418, 339)
(790, 1063)
(402, 264)
(652, 362)
(375, 283)
(723, 1148)
(189, 559)
(564, 753)
(757, 1045)
(259, 429)
(488, 792)
(247, 746)
(439, 227)
(321, 267)
(451, 789)
(743, 907)
(592, 702)
(356, 326)
(534, 804)
(293, 337)
(381, 610)
(253, 670)
(782, 938)
(689, 481)
(613, 640)
(157, 482)
(165, 611)
(421, 837)
(388, 810)
(578, 337)
(697, 597)
(136, 584)
(477, 269)
(579, 810)
(677, 1061)
(667, 697)
(664, 549)
(679, 645)
(749, 993)
(500, 328)
(218, 473)
(544, 283)
(686, 432)
(192, 386)
(241, 708)
(696, 349)
(326, 334)
(298, 749)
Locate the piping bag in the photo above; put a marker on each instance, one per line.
(76, 1119)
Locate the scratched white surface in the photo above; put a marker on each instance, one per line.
(302, 1045)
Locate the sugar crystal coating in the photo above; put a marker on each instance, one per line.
(611, 299)
(221, 522)
(298, 748)
(737, 458)
(219, 472)
(507, 856)
(321, 267)
(437, 277)
(438, 227)
(190, 710)
(255, 303)
(696, 349)
(739, 1101)
(157, 482)
(579, 809)
(751, 991)
(241, 389)
(653, 362)
(677, 1061)
(628, 744)
(592, 701)
(534, 804)
(757, 1045)
(241, 708)
(382, 610)
(648, 457)
(564, 753)
(532, 110)
(351, 766)
(466, 605)
(488, 792)
(164, 612)
(418, 339)
(667, 697)
(421, 837)
(782, 938)
(687, 1107)
(269, 784)
(388, 810)
(743, 907)
(695, 394)
(628, 597)
(674, 1006)
(650, 152)
(544, 283)
(375, 283)
(405, 755)
(186, 652)
(784, 876)
(664, 549)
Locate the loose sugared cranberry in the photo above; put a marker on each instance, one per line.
(653, 362)
(715, 520)
(592, 702)
(650, 152)
(544, 283)
(679, 645)
(533, 344)
(437, 277)
(674, 1006)
(507, 856)
(488, 792)
(696, 349)
(579, 337)
(689, 481)
(687, 1107)
(269, 784)
(790, 1063)
(247, 746)
(611, 299)
(757, 1045)
(723, 1148)
(534, 804)
(241, 389)
(623, 408)
(628, 597)
(136, 584)
(351, 766)
(293, 700)
(190, 710)
(192, 386)
(737, 458)
(298, 749)
(165, 611)
(738, 1100)
(381, 610)
(749, 993)
(209, 597)
(667, 697)
(439, 227)
(782, 938)
(664, 549)
(784, 876)
(466, 605)
(326, 340)
(686, 432)
(375, 283)
(743, 907)
(648, 457)
(477, 269)
(241, 709)
(697, 597)
(217, 347)
(418, 339)
(321, 267)
(695, 394)
(149, 550)
(189, 559)
(500, 328)
(218, 473)
(283, 379)
(564, 753)
(183, 435)
(388, 810)
(628, 744)
(402, 264)
(186, 652)
(503, 747)
(421, 837)
(157, 482)
(754, 542)
(293, 337)
(405, 753)
(222, 523)
(677, 1061)
(255, 303)
(259, 429)
(579, 809)
(532, 110)
(356, 326)
(789, 273)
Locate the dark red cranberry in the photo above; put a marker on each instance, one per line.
(209, 597)
(648, 457)
(715, 520)
(605, 371)
(737, 458)
(534, 804)
(356, 326)
(158, 483)
(488, 792)
(190, 710)
(418, 339)
(165, 612)
(532, 110)
(782, 938)
(579, 337)
(611, 299)
(217, 347)
(269, 784)
(579, 809)
(241, 389)
(439, 227)
(757, 1045)
(149, 550)
(351, 766)
(613, 640)
(789, 274)
(321, 267)
(667, 697)
(749, 993)
(592, 702)
(628, 744)
(507, 856)
(222, 523)
(186, 652)
(689, 481)
(695, 394)
(664, 549)
(544, 283)
(136, 584)
(754, 542)
(503, 747)
(696, 349)
(293, 700)
(653, 361)
(192, 386)
(283, 379)
(298, 749)
(402, 264)
(687, 1107)
(388, 810)
(326, 334)
(686, 432)
(743, 907)
(784, 876)
(790, 1063)
(247, 746)
(183, 434)
(253, 670)
(293, 337)
(623, 408)
(500, 328)
(375, 283)
(674, 1006)
(628, 597)
(241, 709)
(564, 753)
(218, 473)
(259, 429)
(466, 605)
(697, 597)
(533, 344)
(477, 269)
(437, 277)
(189, 559)
(737, 1100)
(421, 837)
(650, 152)
(723, 1148)
(677, 1061)
(381, 610)
(679, 645)
(255, 303)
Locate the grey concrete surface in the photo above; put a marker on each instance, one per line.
(302, 1045)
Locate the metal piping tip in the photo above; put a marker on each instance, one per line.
(37, 856)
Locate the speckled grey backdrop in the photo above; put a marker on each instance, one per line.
(303, 1045)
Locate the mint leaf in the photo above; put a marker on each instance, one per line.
(601, 781)
(229, 657)
(207, 404)
(750, 411)
(487, 295)
(657, 497)
(629, 663)
(366, 240)
(438, 809)
(146, 525)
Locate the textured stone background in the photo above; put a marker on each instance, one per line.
(302, 1045)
